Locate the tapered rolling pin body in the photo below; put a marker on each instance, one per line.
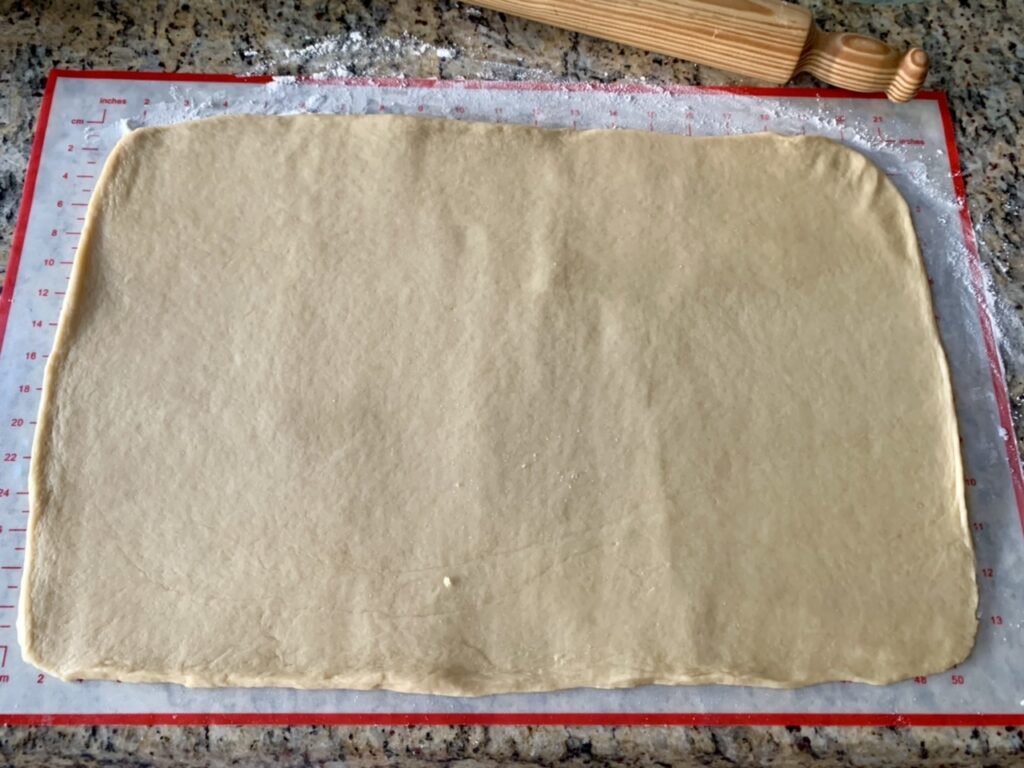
(766, 39)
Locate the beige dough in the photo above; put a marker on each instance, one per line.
(459, 408)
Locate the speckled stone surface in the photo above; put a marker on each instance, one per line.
(977, 50)
(476, 746)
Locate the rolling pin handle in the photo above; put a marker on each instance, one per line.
(860, 63)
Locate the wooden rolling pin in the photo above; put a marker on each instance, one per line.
(767, 39)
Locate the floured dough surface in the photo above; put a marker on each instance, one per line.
(461, 408)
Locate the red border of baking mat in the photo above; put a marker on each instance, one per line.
(710, 719)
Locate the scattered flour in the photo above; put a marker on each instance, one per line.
(344, 55)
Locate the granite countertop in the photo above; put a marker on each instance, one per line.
(977, 59)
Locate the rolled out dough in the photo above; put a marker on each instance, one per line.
(459, 408)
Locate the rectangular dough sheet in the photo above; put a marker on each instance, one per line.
(460, 408)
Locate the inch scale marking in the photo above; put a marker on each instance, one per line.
(86, 113)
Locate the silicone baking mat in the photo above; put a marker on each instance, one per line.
(85, 113)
